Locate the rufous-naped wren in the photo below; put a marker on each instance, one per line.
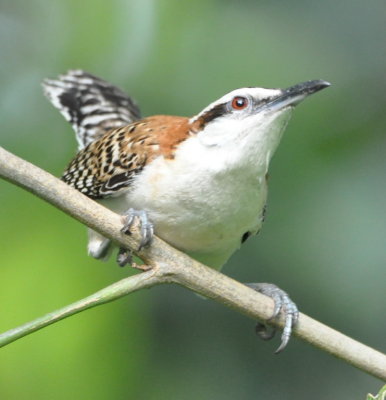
(199, 183)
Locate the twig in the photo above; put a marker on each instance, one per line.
(107, 294)
(168, 266)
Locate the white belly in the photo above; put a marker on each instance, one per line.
(200, 211)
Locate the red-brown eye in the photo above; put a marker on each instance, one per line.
(239, 103)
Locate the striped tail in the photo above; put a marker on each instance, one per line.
(92, 105)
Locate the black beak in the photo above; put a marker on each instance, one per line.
(293, 95)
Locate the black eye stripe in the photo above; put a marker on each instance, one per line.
(221, 109)
(215, 112)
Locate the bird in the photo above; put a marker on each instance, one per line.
(199, 183)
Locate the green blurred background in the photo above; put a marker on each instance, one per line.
(324, 238)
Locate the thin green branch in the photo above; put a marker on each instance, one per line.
(109, 293)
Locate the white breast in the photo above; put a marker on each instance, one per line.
(202, 201)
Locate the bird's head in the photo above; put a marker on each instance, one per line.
(251, 117)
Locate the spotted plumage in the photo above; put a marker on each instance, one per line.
(108, 166)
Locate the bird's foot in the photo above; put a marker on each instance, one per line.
(125, 256)
(282, 302)
(147, 228)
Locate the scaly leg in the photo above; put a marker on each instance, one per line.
(282, 303)
(147, 233)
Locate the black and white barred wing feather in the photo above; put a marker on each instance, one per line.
(92, 105)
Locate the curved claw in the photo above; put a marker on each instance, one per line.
(147, 231)
(130, 215)
(147, 228)
(282, 302)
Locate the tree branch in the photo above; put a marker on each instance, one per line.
(168, 266)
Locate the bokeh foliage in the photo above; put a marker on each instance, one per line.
(324, 239)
